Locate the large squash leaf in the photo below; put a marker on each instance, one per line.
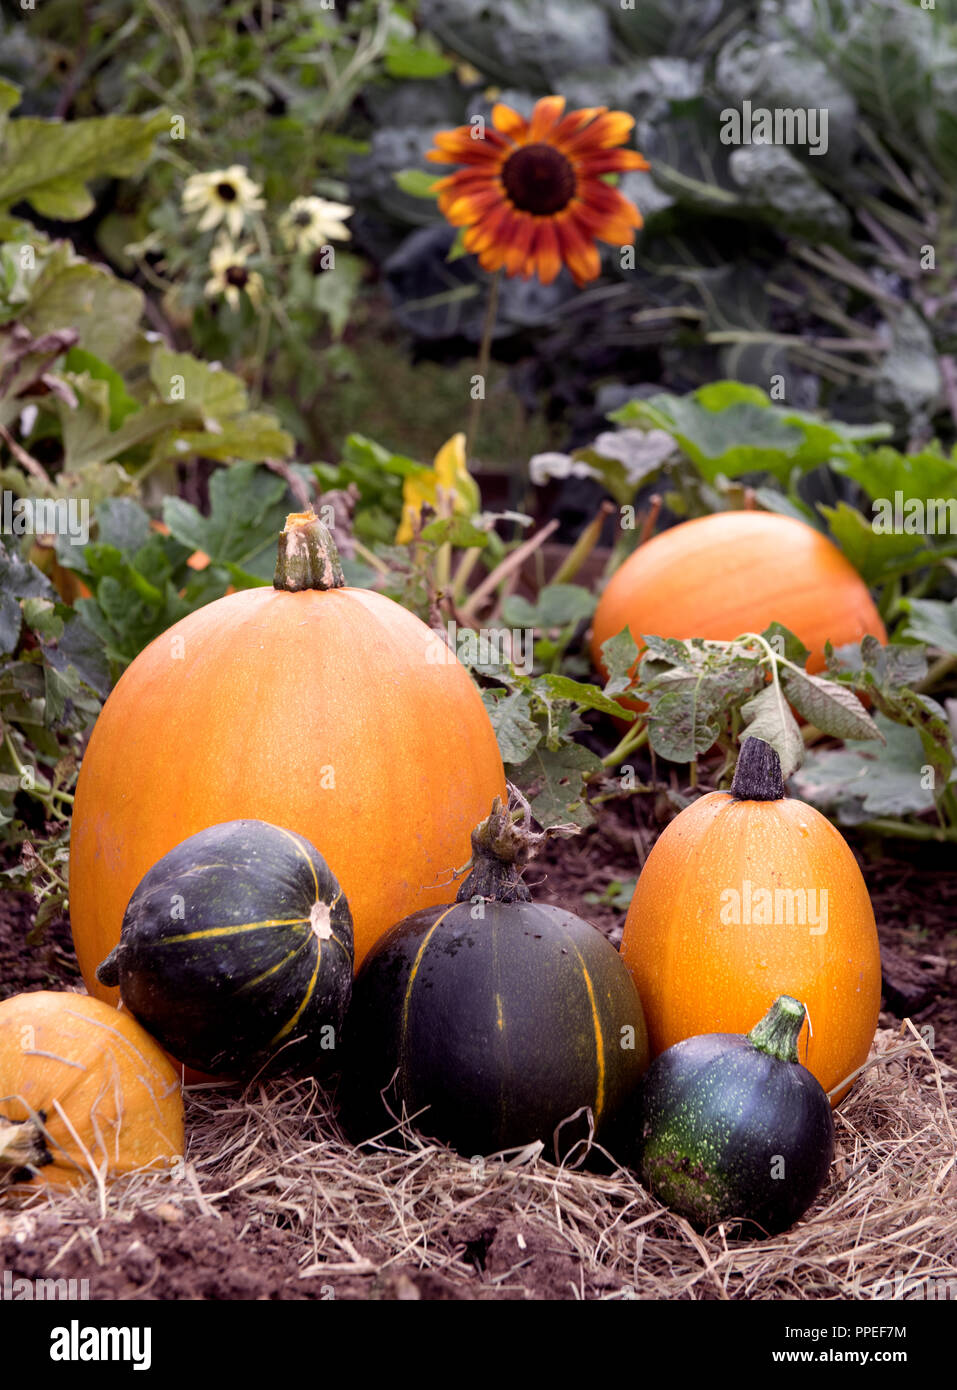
(48, 163)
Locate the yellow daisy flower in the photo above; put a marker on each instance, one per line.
(230, 277)
(309, 223)
(223, 195)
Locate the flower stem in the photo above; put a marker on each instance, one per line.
(485, 354)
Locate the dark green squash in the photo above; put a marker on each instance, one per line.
(496, 1017)
(732, 1128)
(237, 947)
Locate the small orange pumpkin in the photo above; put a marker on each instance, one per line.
(83, 1090)
(748, 895)
(720, 576)
(329, 710)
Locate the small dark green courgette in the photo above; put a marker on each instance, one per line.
(732, 1128)
(235, 947)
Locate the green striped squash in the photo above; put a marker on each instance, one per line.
(235, 947)
(497, 1021)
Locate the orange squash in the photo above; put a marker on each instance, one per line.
(734, 572)
(748, 895)
(83, 1090)
(329, 710)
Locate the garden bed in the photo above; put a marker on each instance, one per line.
(274, 1203)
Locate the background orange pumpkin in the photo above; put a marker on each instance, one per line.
(697, 973)
(733, 572)
(110, 1096)
(333, 712)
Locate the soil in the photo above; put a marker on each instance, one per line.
(160, 1253)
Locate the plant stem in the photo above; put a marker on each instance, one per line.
(635, 738)
(464, 571)
(916, 830)
(584, 546)
(513, 561)
(942, 667)
(485, 354)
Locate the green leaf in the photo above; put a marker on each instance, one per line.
(80, 649)
(830, 707)
(247, 512)
(779, 186)
(768, 716)
(253, 436)
(414, 58)
(416, 182)
(212, 392)
(884, 472)
(558, 605)
(684, 723)
(123, 524)
(731, 429)
(40, 616)
(620, 655)
(48, 163)
(9, 96)
(879, 555)
(515, 729)
(455, 530)
(88, 437)
(335, 291)
(856, 784)
(104, 310)
(784, 642)
(554, 781)
(886, 59)
(588, 696)
(932, 622)
(121, 403)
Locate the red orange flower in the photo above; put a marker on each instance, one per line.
(533, 194)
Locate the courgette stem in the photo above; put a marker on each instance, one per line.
(778, 1031)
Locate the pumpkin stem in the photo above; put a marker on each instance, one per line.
(778, 1031)
(308, 558)
(757, 776)
(22, 1146)
(501, 848)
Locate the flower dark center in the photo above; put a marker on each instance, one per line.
(226, 192)
(303, 218)
(539, 179)
(237, 275)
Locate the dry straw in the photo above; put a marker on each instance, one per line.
(371, 1223)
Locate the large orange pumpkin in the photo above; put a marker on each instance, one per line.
(329, 710)
(728, 914)
(84, 1090)
(734, 572)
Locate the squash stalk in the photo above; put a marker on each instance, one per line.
(757, 776)
(778, 1031)
(307, 558)
(501, 849)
